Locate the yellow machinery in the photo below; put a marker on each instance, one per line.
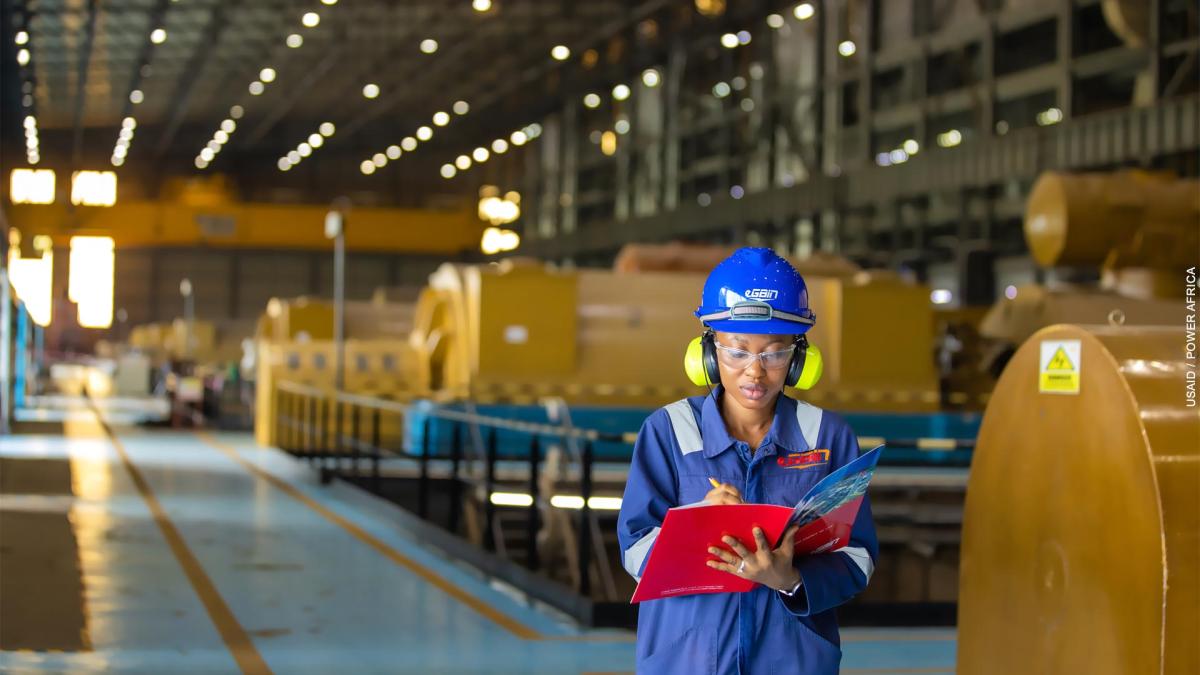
(295, 344)
(1081, 534)
(519, 330)
(1139, 228)
(166, 341)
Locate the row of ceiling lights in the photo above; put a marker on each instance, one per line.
(220, 137)
(129, 124)
(33, 153)
(499, 146)
(307, 147)
(256, 88)
(409, 143)
(803, 12)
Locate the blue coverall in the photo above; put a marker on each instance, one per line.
(763, 631)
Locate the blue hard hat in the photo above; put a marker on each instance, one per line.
(755, 291)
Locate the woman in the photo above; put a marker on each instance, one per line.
(758, 446)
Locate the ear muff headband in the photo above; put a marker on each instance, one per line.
(700, 363)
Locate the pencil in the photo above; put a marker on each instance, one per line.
(714, 481)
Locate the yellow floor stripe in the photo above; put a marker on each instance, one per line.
(484, 609)
(236, 639)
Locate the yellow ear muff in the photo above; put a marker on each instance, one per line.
(693, 363)
(814, 365)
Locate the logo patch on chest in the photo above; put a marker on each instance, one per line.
(804, 460)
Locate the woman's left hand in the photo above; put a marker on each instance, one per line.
(770, 567)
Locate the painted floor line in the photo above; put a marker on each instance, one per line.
(483, 609)
(232, 633)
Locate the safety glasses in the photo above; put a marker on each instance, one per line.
(740, 359)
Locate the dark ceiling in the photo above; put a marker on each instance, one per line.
(86, 58)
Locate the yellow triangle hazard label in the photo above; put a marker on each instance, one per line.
(1060, 361)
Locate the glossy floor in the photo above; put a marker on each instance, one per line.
(205, 553)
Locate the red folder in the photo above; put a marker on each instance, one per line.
(679, 556)
(678, 561)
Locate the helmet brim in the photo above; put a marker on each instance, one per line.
(768, 327)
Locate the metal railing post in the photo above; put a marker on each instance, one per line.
(585, 520)
(455, 483)
(355, 455)
(423, 482)
(489, 485)
(375, 450)
(531, 523)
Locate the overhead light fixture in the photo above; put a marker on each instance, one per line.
(591, 100)
(221, 137)
(847, 48)
(136, 96)
(158, 36)
(560, 53)
(326, 129)
(236, 112)
(480, 155)
(804, 11)
(201, 163)
(267, 75)
(256, 88)
(1049, 116)
(393, 152)
(311, 19)
(449, 171)
(429, 46)
(499, 146)
(94, 188)
(441, 119)
(228, 126)
(408, 143)
(743, 37)
(283, 164)
(316, 140)
(424, 133)
(367, 167)
(295, 41)
(370, 91)
(721, 89)
(620, 92)
(462, 162)
(294, 156)
(481, 5)
(518, 138)
(23, 57)
(608, 143)
(729, 41)
(941, 296)
(90, 277)
(379, 160)
(207, 154)
(31, 186)
(775, 21)
(621, 126)
(461, 108)
(949, 139)
(651, 77)
(911, 146)
(329, 2)
(33, 281)
(304, 149)
(21, 38)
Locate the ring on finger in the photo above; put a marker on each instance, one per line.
(742, 568)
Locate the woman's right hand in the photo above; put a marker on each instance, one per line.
(723, 493)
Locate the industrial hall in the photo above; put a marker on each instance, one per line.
(599, 337)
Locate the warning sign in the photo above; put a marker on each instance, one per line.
(1059, 367)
